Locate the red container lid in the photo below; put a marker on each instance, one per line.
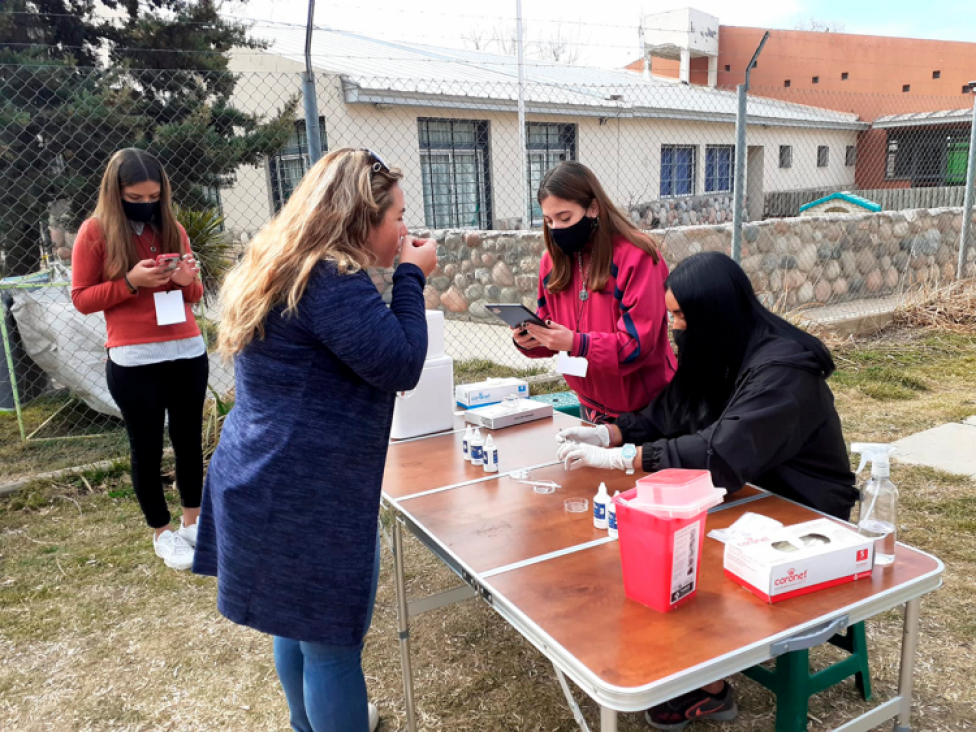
(676, 493)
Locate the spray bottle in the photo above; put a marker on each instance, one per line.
(476, 445)
(466, 443)
(490, 455)
(879, 501)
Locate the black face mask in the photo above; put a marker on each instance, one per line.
(679, 338)
(573, 238)
(143, 212)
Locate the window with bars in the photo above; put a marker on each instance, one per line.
(456, 173)
(547, 145)
(928, 157)
(288, 167)
(678, 170)
(823, 156)
(850, 156)
(719, 163)
(786, 156)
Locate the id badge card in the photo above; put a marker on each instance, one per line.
(169, 307)
(571, 365)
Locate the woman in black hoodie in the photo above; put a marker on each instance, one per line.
(749, 402)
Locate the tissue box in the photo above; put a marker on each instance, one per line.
(799, 559)
(489, 392)
(516, 411)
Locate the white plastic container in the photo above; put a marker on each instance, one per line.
(600, 502)
(435, 334)
(429, 407)
(490, 455)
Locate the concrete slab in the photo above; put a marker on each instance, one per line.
(948, 447)
(970, 420)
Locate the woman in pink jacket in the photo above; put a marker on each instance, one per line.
(601, 292)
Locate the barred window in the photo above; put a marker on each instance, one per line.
(678, 170)
(850, 156)
(823, 156)
(547, 145)
(786, 156)
(289, 166)
(719, 164)
(456, 173)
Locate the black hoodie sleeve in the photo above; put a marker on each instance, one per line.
(653, 422)
(765, 424)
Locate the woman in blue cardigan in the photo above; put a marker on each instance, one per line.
(288, 523)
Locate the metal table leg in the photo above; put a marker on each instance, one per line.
(403, 624)
(906, 678)
(608, 719)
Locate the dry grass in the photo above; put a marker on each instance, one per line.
(95, 634)
(951, 309)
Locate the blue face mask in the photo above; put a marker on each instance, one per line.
(143, 212)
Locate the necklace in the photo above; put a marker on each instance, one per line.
(583, 294)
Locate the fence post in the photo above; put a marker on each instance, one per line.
(14, 386)
(312, 134)
(523, 155)
(967, 203)
(738, 190)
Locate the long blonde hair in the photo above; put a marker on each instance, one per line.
(329, 216)
(573, 181)
(125, 168)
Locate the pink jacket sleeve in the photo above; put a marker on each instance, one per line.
(639, 290)
(545, 267)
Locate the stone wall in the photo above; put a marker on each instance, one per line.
(685, 211)
(791, 262)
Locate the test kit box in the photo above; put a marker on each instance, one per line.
(488, 392)
(509, 414)
(799, 559)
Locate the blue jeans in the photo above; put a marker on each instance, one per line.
(324, 685)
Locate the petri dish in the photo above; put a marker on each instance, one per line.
(576, 505)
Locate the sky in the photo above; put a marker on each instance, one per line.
(604, 30)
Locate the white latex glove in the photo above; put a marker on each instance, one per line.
(598, 436)
(576, 455)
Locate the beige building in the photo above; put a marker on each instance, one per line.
(449, 120)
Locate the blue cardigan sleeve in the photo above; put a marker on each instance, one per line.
(386, 347)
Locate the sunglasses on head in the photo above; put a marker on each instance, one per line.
(378, 162)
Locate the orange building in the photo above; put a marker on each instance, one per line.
(889, 82)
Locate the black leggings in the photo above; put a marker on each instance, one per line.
(144, 395)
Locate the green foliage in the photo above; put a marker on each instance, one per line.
(210, 244)
(64, 109)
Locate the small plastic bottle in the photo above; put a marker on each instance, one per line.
(466, 443)
(600, 501)
(612, 517)
(490, 456)
(476, 446)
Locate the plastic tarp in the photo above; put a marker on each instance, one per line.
(69, 346)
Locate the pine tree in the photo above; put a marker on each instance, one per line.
(75, 87)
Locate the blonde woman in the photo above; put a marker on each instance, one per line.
(157, 360)
(288, 524)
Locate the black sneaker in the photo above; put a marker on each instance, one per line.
(699, 704)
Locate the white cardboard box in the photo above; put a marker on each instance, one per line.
(488, 392)
(498, 416)
(786, 563)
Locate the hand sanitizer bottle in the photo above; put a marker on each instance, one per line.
(466, 443)
(490, 455)
(878, 517)
(476, 445)
(600, 502)
(612, 517)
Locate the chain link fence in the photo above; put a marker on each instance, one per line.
(850, 202)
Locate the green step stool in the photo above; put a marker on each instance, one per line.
(793, 684)
(563, 401)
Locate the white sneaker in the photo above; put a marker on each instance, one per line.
(374, 718)
(173, 550)
(188, 534)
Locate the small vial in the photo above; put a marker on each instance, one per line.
(612, 517)
(490, 456)
(466, 444)
(600, 502)
(477, 448)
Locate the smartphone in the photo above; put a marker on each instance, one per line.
(514, 315)
(168, 261)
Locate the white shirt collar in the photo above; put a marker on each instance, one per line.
(137, 226)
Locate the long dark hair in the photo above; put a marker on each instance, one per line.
(723, 316)
(573, 181)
